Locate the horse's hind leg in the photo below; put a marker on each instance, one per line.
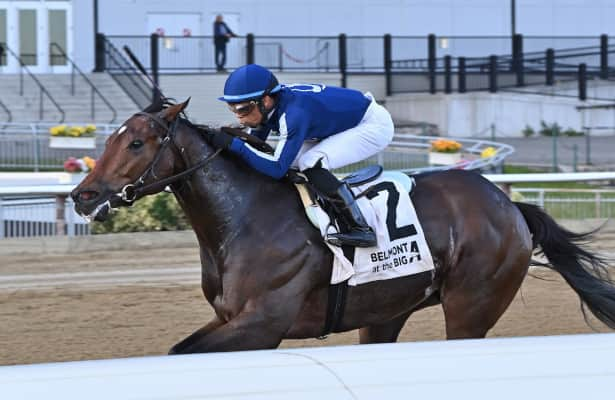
(383, 333)
(478, 291)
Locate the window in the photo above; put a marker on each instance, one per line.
(57, 37)
(27, 36)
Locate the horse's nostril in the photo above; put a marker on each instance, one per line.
(88, 195)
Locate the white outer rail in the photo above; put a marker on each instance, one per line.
(553, 177)
(64, 189)
(558, 367)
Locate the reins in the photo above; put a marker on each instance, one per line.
(131, 191)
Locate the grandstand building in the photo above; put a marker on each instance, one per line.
(459, 65)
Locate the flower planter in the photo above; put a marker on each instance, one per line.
(64, 142)
(436, 158)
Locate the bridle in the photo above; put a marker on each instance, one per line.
(131, 191)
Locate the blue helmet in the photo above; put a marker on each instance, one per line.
(248, 83)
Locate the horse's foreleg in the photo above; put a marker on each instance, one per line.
(383, 333)
(262, 324)
(195, 337)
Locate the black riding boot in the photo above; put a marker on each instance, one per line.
(360, 234)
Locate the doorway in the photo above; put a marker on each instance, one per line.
(37, 32)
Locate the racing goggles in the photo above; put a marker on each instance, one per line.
(243, 109)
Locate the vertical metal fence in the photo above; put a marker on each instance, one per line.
(26, 147)
(410, 64)
(33, 217)
(571, 203)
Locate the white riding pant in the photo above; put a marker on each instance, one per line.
(369, 137)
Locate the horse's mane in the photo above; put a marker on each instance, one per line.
(160, 103)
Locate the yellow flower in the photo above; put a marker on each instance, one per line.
(488, 152)
(58, 130)
(445, 146)
(73, 131)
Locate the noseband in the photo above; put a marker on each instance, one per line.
(131, 191)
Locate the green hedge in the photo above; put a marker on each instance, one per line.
(153, 213)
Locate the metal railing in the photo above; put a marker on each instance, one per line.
(93, 89)
(407, 153)
(37, 216)
(25, 146)
(570, 203)
(42, 89)
(129, 79)
(409, 63)
(8, 113)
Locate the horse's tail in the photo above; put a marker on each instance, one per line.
(586, 273)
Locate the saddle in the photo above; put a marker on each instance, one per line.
(312, 200)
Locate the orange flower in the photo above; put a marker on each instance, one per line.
(445, 146)
(89, 162)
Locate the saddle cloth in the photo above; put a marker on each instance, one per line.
(402, 249)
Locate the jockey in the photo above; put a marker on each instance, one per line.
(320, 128)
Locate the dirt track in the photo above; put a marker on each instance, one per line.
(78, 316)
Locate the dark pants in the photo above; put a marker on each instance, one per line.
(220, 56)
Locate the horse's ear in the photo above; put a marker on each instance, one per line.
(170, 113)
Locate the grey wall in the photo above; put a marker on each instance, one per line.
(374, 17)
(83, 34)
(364, 17)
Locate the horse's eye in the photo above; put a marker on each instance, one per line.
(135, 144)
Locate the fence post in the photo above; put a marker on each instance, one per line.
(598, 201)
(342, 56)
(518, 58)
(36, 149)
(493, 74)
(461, 66)
(447, 75)
(431, 62)
(554, 143)
(99, 57)
(60, 210)
(550, 63)
(582, 81)
(604, 56)
(588, 158)
(250, 48)
(387, 63)
(515, 52)
(1, 219)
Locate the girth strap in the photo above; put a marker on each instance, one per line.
(336, 303)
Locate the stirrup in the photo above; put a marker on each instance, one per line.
(368, 239)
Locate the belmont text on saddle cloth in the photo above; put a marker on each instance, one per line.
(402, 249)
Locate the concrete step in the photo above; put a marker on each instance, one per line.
(77, 107)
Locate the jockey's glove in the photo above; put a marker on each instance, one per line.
(221, 140)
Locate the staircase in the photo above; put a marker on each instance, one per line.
(77, 107)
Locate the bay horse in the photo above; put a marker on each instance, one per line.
(266, 270)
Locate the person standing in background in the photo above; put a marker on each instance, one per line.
(222, 34)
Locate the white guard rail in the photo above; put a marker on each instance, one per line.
(57, 185)
(557, 367)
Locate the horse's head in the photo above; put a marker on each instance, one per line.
(138, 152)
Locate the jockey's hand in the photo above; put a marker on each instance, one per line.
(221, 140)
